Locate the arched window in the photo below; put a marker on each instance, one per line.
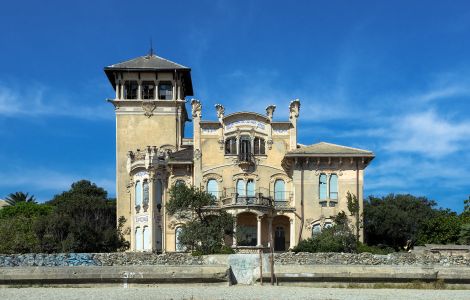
(138, 239)
(146, 192)
(279, 190)
(231, 146)
(180, 182)
(148, 90)
(241, 191)
(334, 186)
(322, 186)
(165, 91)
(178, 246)
(259, 147)
(213, 188)
(138, 193)
(146, 236)
(159, 192)
(316, 229)
(130, 89)
(328, 225)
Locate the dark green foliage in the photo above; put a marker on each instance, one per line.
(204, 229)
(464, 235)
(394, 220)
(443, 228)
(361, 248)
(338, 238)
(18, 197)
(17, 224)
(84, 220)
(79, 220)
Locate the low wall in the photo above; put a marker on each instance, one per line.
(234, 268)
(287, 258)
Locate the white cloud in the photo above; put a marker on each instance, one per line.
(427, 133)
(37, 102)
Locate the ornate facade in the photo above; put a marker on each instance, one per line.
(250, 162)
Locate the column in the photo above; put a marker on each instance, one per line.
(122, 90)
(139, 89)
(258, 236)
(292, 234)
(234, 243)
(270, 232)
(118, 87)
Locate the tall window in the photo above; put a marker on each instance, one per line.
(334, 187)
(146, 192)
(148, 90)
(231, 146)
(130, 89)
(245, 148)
(159, 192)
(259, 147)
(165, 91)
(146, 237)
(138, 239)
(212, 188)
(250, 188)
(178, 245)
(138, 193)
(241, 190)
(322, 186)
(279, 190)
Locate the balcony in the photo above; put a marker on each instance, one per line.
(246, 161)
(262, 197)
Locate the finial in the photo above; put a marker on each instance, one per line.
(151, 47)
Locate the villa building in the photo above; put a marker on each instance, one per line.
(250, 162)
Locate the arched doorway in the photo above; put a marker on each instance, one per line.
(246, 232)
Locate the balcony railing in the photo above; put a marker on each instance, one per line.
(260, 197)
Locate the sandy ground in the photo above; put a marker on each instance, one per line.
(226, 292)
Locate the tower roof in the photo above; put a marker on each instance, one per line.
(149, 63)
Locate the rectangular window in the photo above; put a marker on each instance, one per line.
(259, 147)
(148, 90)
(165, 91)
(231, 146)
(130, 89)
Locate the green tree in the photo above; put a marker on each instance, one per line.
(443, 228)
(464, 235)
(338, 238)
(17, 227)
(395, 220)
(204, 228)
(355, 211)
(18, 197)
(84, 220)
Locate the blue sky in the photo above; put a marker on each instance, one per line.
(389, 76)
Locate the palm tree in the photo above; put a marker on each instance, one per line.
(15, 198)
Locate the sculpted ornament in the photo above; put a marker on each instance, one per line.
(197, 154)
(270, 111)
(294, 108)
(196, 108)
(148, 106)
(220, 112)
